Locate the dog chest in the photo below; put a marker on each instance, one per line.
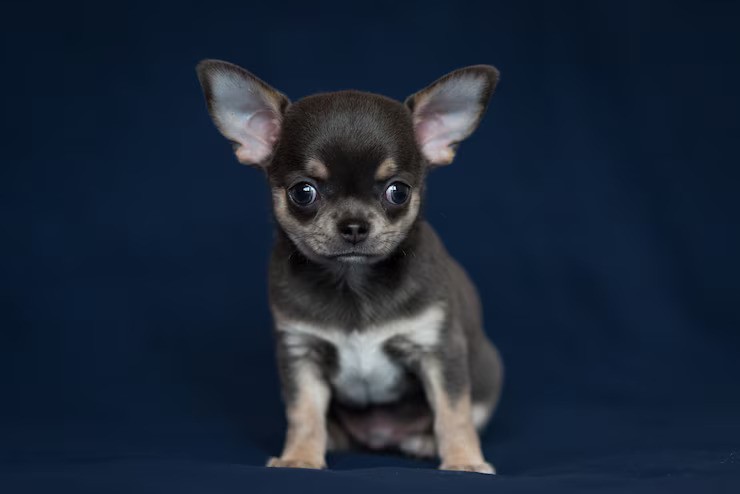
(365, 372)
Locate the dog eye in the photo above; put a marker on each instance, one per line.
(397, 193)
(302, 194)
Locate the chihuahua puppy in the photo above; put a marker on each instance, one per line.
(378, 330)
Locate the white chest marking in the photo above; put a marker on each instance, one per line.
(365, 372)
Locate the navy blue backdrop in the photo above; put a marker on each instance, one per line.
(135, 344)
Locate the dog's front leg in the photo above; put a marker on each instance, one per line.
(307, 396)
(447, 387)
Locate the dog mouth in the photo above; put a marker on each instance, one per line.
(354, 257)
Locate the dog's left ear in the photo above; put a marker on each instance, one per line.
(449, 110)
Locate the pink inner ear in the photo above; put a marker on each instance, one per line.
(258, 137)
(437, 132)
(434, 139)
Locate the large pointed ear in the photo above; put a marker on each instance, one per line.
(449, 110)
(245, 109)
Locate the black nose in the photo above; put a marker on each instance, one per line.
(354, 231)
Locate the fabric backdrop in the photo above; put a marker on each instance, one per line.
(596, 208)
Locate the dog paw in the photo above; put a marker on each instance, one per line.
(477, 467)
(281, 463)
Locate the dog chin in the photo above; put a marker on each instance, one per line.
(344, 258)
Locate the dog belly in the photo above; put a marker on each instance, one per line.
(386, 426)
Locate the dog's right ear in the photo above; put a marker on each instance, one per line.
(448, 110)
(246, 110)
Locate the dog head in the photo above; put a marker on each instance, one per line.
(346, 168)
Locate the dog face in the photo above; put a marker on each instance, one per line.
(346, 168)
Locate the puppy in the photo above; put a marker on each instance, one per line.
(378, 330)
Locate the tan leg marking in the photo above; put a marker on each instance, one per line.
(306, 437)
(457, 439)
